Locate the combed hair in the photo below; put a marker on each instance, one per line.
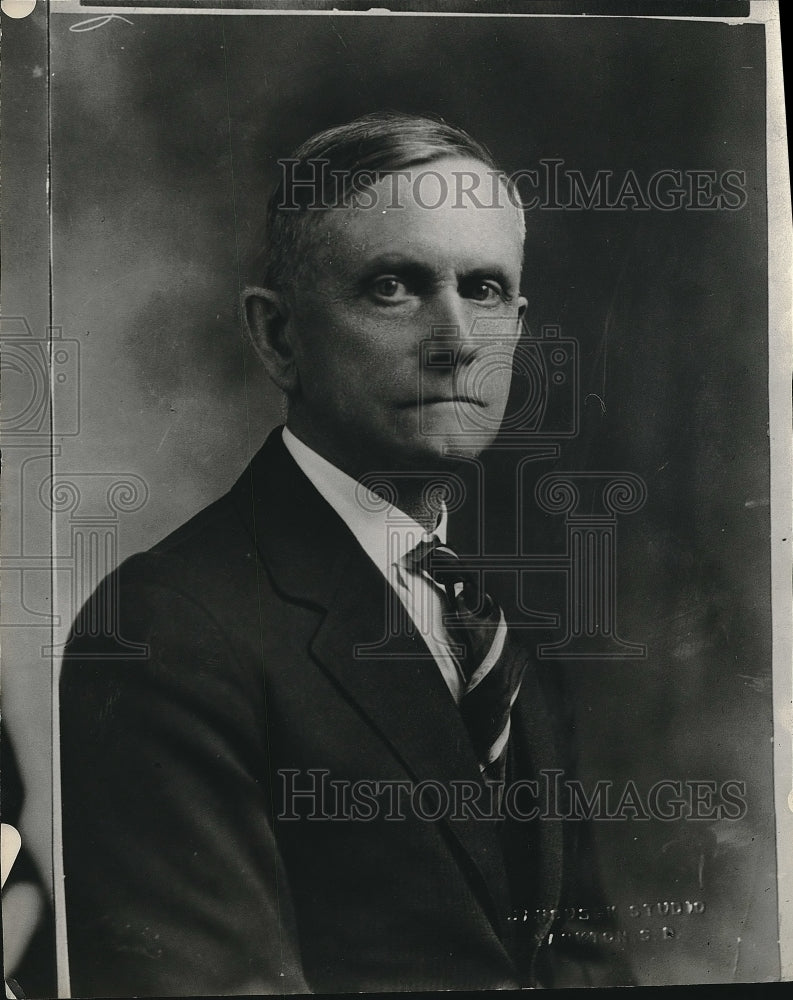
(324, 169)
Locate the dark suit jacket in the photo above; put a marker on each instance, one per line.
(183, 877)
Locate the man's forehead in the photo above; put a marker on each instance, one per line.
(420, 215)
(350, 253)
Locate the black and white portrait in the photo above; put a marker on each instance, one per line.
(391, 460)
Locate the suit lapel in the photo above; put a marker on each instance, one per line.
(383, 667)
(393, 679)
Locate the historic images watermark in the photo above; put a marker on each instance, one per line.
(551, 185)
(316, 796)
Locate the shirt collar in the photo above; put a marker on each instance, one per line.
(384, 532)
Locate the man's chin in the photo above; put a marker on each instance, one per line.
(449, 432)
(439, 452)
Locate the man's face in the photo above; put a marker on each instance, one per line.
(378, 388)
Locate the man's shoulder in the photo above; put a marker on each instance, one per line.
(206, 563)
(212, 535)
(194, 573)
(201, 547)
(270, 525)
(218, 539)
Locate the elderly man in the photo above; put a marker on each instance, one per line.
(301, 785)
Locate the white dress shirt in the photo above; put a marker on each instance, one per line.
(386, 534)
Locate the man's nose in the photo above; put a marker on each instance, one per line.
(451, 317)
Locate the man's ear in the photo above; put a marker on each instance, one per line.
(266, 320)
(522, 303)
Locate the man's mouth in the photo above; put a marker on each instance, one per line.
(431, 400)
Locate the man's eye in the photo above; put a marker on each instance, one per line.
(389, 288)
(485, 291)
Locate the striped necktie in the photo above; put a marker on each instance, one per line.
(492, 662)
